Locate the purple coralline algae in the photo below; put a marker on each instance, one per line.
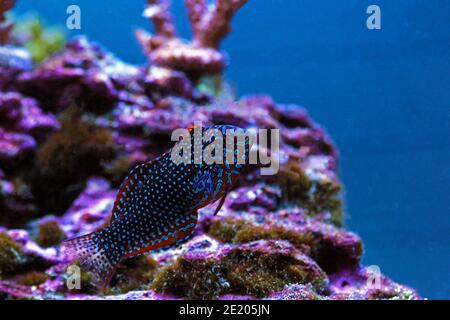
(72, 127)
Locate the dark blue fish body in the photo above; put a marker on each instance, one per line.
(156, 207)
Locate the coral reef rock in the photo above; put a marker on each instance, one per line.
(72, 127)
(210, 25)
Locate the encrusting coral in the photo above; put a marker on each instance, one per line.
(210, 25)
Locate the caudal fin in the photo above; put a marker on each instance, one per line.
(91, 256)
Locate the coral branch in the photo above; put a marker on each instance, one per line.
(210, 25)
(158, 12)
(196, 10)
(215, 24)
(5, 27)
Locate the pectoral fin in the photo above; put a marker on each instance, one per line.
(222, 201)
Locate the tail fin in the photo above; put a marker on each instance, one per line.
(91, 256)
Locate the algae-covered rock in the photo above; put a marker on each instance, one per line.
(50, 234)
(33, 279)
(256, 269)
(331, 247)
(133, 274)
(296, 292)
(12, 257)
(20, 255)
(72, 128)
(312, 186)
(66, 160)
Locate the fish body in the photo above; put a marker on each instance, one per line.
(157, 206)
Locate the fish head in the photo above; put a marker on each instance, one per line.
(231, 157)
(226, 150)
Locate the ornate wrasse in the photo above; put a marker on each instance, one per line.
(157, 203)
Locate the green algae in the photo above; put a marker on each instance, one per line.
(40, 40)
(50, 234)
(241, 272)
(66, 159)
(243, 231)
(294, 183)
(326, 198)
(217, 87)
(33, 278)
(11, 255)
(132, 274)
(331, 253)
(316, 196)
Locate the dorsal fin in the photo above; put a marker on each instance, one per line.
(131, 184)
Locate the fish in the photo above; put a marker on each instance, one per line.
(157, 204)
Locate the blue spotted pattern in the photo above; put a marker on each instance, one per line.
(157, 204)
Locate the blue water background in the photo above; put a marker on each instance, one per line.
(384, 96)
